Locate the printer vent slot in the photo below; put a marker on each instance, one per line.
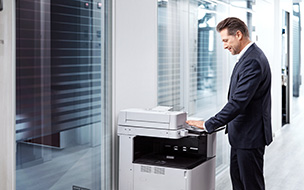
(158, 170)
(146, 169)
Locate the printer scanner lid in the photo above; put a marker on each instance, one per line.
(152, 118)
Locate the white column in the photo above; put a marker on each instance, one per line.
(7, 95)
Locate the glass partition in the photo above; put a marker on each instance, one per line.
(170, 23)
(62, 65)
(193, 67)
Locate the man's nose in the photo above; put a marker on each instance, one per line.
(225, 46)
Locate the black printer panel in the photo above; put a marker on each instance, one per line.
(185, 153)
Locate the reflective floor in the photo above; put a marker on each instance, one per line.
(58, 173)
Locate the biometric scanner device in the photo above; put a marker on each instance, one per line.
(158, 151)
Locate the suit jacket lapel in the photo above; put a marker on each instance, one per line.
(238, 64)
(232, 75)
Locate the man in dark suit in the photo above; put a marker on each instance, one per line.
(247, 113)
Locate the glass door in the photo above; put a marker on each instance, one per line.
(61, 95)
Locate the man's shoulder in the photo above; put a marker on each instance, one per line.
(254, 52)
(254, 48)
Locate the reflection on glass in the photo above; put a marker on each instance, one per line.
(169, 55)
(207, 69)
(59, 86)
(192, 64)
(296, 50)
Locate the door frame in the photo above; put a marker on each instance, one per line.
(7, 95)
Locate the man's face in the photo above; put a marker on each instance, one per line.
(231, 42)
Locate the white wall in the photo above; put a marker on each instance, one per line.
(7, 96)
(268, 33)
(134, 60)
(135, 54)
(268, 16)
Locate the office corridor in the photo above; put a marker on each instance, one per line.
(284, 163)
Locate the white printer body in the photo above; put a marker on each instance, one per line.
(158, 152)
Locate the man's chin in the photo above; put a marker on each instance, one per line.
(232, 52)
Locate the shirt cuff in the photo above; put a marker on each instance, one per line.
(205, 127)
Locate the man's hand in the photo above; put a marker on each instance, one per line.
(198, 124)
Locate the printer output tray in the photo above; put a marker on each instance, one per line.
(171, 161)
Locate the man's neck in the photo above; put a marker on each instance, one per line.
(245, 43)
(243, 50)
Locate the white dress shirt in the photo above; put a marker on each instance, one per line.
(239, 56)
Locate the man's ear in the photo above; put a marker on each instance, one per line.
(239, 35)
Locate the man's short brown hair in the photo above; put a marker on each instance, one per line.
(233, 24)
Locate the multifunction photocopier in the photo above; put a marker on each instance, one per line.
(158, 151)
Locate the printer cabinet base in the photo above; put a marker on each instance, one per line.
(149, 177)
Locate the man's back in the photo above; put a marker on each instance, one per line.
(250, 93)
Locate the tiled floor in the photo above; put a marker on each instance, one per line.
(284, 165)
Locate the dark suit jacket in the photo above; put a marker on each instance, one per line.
(248, 111)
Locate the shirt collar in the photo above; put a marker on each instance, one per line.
(239, 56)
